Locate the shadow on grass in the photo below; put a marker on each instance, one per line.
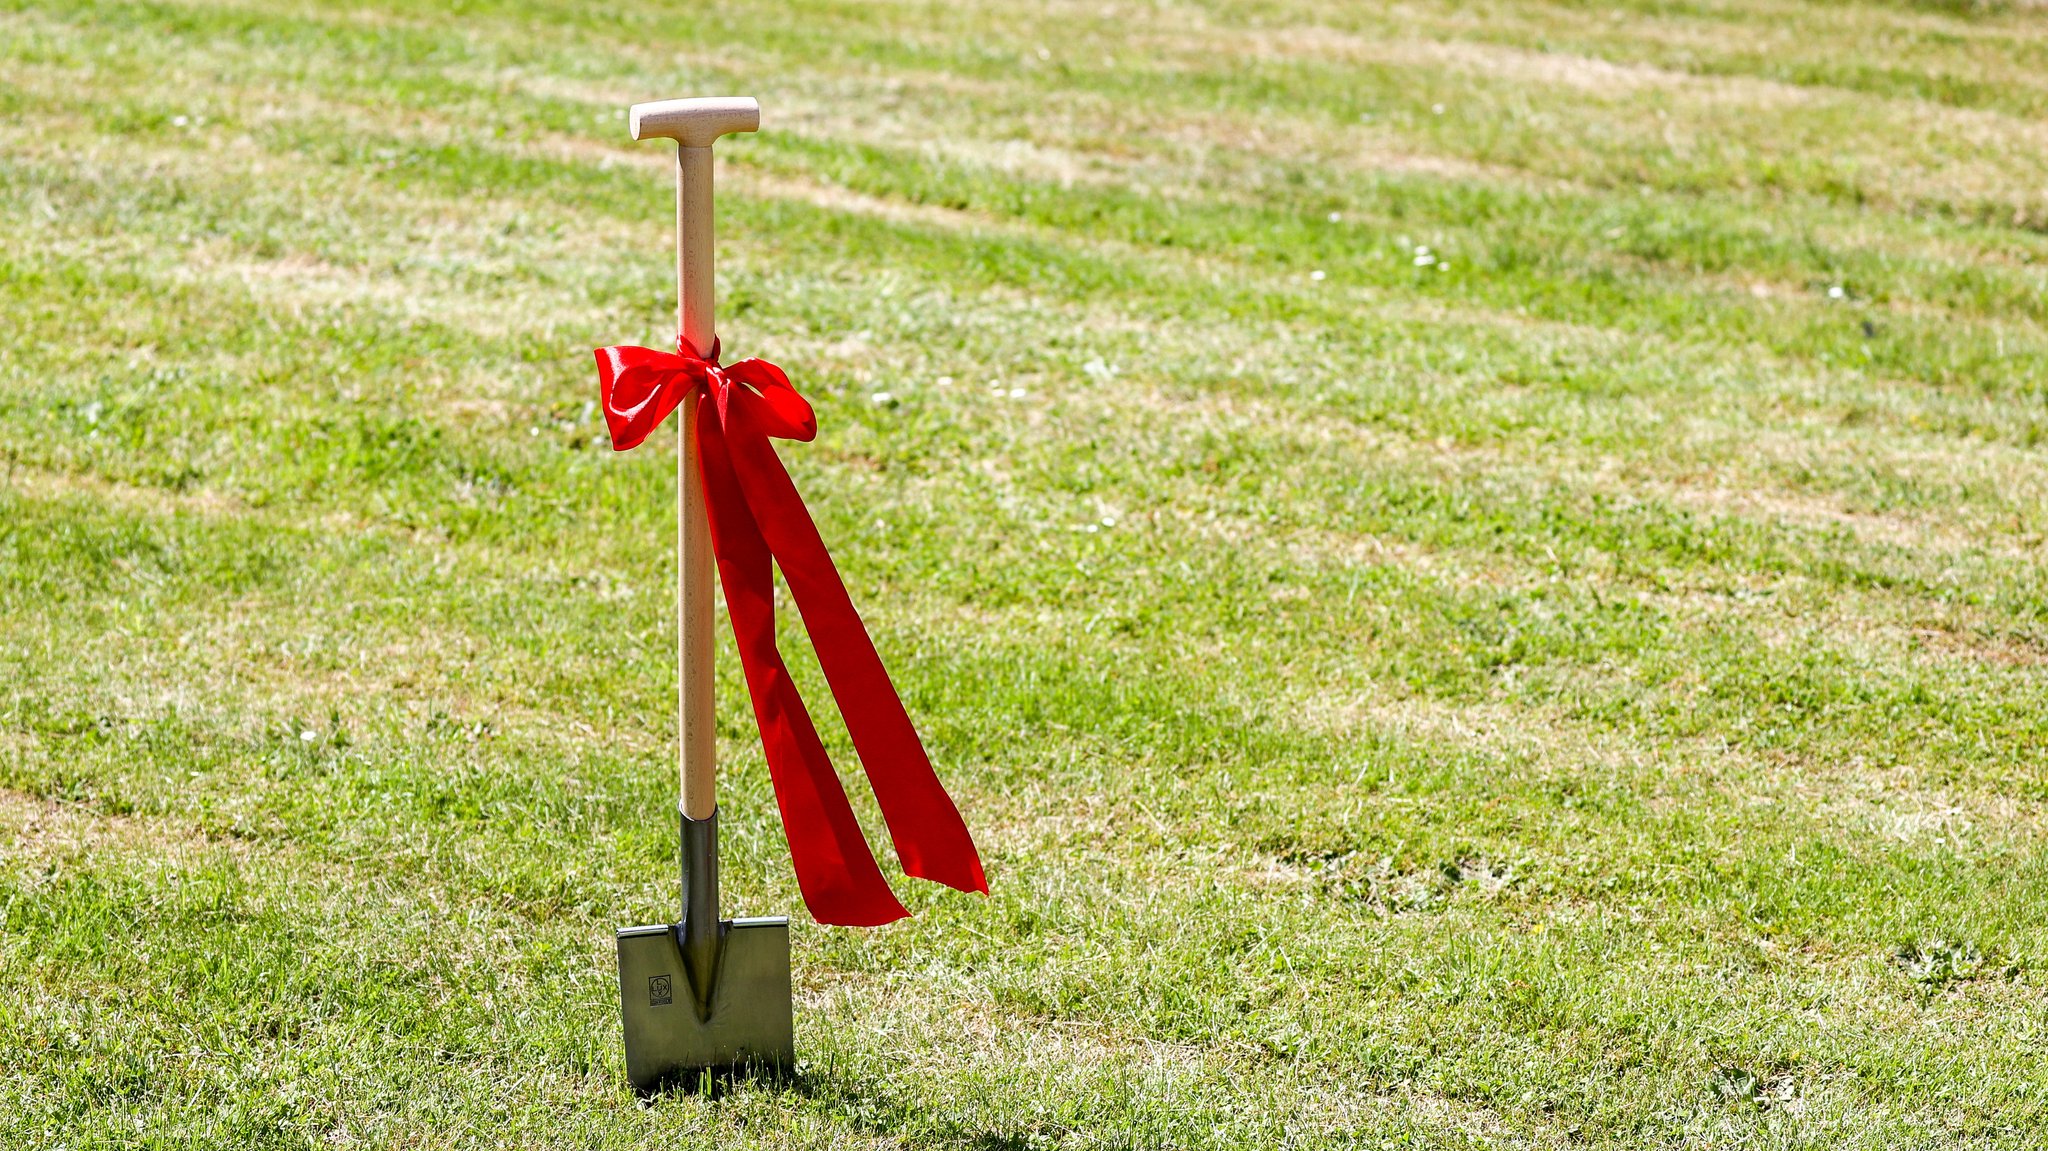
(718, 1082)
(868, 1111)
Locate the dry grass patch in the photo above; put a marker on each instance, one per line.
(46, 484)
(47, 836)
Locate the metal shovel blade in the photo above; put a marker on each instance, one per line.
(750, 1026)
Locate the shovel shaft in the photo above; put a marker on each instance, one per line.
(694, 124)
(695, 599)
(700, 927)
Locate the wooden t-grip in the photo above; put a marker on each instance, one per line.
(696, 122)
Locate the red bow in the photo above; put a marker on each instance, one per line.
(757, 516)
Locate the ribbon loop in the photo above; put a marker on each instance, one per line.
(759, 522)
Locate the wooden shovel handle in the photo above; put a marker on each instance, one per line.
(694, 124)
(696, 706)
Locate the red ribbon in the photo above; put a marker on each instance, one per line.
(758, 517)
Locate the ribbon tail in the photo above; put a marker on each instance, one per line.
(930, 837)
(840, 882)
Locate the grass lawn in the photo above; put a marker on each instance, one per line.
(1476, 569)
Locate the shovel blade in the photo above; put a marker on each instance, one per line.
(750, 1027)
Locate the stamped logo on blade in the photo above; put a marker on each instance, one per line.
(658, 994)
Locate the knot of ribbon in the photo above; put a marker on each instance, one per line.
(758, 519)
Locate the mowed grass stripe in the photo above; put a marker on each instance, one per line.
(1907, 51)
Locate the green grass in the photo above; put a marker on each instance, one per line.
(1587, 687)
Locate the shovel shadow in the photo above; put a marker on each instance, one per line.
(718, 1082)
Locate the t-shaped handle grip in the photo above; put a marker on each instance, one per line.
(693, 124)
